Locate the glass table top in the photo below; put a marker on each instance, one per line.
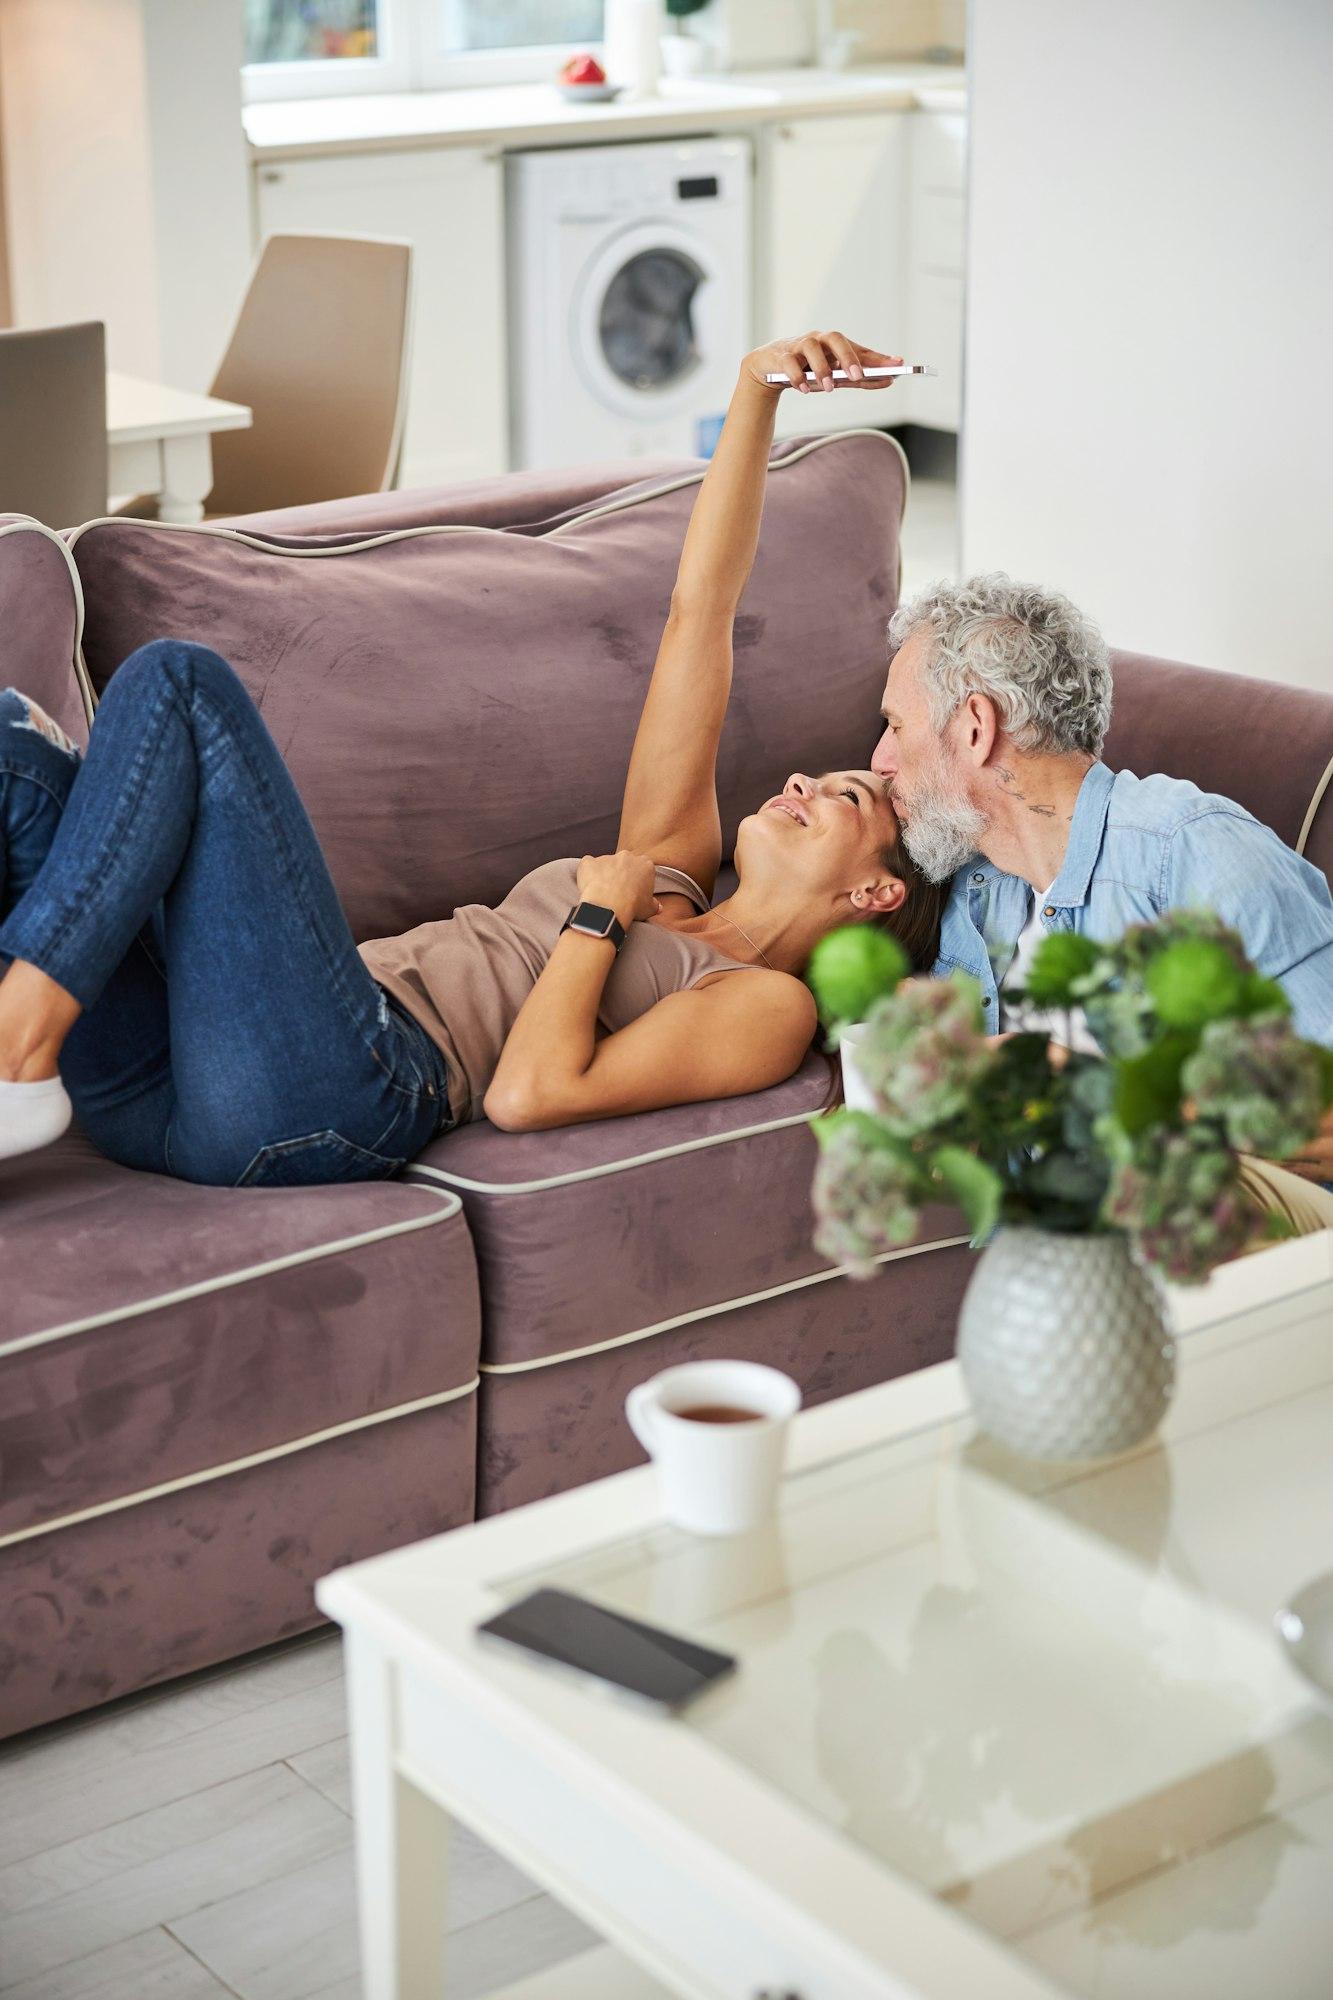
(1052, 1695)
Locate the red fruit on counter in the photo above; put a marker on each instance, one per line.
(582, 69)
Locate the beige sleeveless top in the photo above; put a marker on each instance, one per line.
(465, 979)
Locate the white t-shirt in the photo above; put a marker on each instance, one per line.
(1069, 1028)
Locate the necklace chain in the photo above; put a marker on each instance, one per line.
(746, 935)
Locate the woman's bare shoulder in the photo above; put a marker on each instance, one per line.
(762, 988)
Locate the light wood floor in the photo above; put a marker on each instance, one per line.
(195, 1843)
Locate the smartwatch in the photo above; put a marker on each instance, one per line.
(595, 920)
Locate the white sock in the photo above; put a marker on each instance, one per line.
(32, 1115)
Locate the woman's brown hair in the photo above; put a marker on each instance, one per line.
(916, 921)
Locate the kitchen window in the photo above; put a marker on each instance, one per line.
(317, 48)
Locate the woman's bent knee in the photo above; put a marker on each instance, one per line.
(182, 661)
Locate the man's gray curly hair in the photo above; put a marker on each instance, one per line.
(1038, 658)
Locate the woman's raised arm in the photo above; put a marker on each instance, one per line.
(670, 807)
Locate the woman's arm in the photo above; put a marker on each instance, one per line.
(748, 1030)
(670, 805)
(744, 1032)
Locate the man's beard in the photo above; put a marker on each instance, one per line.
(943, 830)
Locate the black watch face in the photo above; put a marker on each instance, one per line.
(594, 917)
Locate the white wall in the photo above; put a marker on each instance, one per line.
(125, 176)
(201, 179)
(1148, 418)
(76, 166)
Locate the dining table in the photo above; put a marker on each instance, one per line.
(160, 443)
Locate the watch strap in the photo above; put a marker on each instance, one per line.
(595, 920)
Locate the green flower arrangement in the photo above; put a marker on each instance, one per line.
(1201, 1064)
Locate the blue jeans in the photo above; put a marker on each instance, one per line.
(172, 883)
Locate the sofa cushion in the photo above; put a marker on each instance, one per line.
(41, 614)
(1268, 746)
(157, 1333)
(457, 704)
(604, 1234)
(506, 500)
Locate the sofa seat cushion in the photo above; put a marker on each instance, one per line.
(604, 1234)
(154, 1332)
(457, 703)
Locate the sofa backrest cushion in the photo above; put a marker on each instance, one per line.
(457, 704)
(506, 500)
(40, 620)
(1266, 745)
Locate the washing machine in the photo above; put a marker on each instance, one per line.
(629, 297)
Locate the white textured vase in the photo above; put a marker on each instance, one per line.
(1063, 1345)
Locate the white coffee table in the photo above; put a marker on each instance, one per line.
(1001, 1731)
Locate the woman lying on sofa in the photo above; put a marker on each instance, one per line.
(180, 970)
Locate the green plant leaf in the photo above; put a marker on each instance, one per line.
(1326, 1072)
(1061, 959)
(1075, 1179)
(1260, 995)
(976, 1187)
(1090, 1081)
(852, 968)
(868, 1128)
(1146, 1089)
(1194, 981)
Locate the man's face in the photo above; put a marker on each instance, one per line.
(927, 780)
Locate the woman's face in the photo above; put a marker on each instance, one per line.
(826, 837)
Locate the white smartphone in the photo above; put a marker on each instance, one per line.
(870, 374)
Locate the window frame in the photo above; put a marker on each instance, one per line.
(412, 60)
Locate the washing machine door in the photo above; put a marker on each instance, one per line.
(645, 319)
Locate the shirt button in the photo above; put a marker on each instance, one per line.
(1049, 911)
(978, 879)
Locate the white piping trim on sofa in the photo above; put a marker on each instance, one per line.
(188, 1479)
(270, 547)
(1307, 824)
(775, 465)
(609, 1166)
(25, 524)
(451, 1206)
(710, 1312)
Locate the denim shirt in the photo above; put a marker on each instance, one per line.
(1139, 847)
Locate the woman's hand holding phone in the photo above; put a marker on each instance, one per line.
(820, 354)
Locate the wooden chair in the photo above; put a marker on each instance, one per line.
(53, 423)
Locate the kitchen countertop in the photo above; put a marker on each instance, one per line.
(535, 113)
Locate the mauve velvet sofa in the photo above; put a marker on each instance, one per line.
(208, 1397)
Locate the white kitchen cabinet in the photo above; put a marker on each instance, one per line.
(833, 200)
(449, 204)
(935, 262)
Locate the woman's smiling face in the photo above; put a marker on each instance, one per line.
(828, 835)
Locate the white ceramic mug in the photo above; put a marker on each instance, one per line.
(856, 1092)
(716, 1478)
